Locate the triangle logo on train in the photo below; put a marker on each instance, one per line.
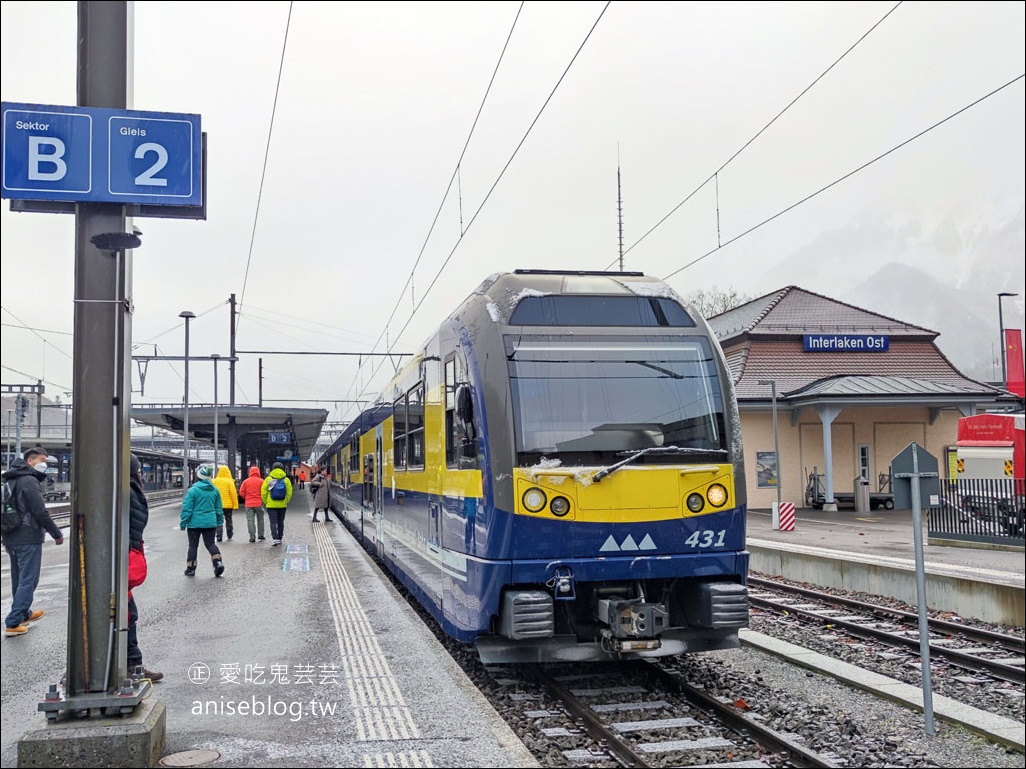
(610, 545)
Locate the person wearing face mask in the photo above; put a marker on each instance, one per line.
(24, 544)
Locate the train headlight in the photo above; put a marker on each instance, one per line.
(717, 495)
(560, 506)
(534, 500)
(695, 503)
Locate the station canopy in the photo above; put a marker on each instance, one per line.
(271, 433)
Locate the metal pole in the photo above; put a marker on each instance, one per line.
(233, 446)
(924, 636)
(185, 418)
(10, 427)
(214, 357)
(1001, 331)
(39, 409)
(17, 424)
(776, 442)
(97, 594)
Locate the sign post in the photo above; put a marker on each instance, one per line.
(908, 468)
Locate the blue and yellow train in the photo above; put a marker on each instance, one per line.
(557, 473)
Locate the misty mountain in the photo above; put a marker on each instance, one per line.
(939, 272)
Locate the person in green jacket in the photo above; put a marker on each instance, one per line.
(201, 515)
(276, 501)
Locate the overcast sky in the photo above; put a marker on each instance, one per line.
(375, 105)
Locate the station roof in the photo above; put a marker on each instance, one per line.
(253, 424)
(763, 341)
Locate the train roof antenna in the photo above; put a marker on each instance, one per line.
(619, 203)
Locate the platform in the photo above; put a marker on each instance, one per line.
(874, 553)
(300, 655)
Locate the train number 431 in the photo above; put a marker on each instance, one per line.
(707, 538)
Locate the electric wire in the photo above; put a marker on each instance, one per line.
(846, 176)
(759, 132)
(39, 330)
(35, 378)
(267, 152)
(29, 328)
(455, 174)
(495, 184)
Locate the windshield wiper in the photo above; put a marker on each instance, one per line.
(652, 450)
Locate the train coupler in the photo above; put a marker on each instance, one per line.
(632, 618)
(615, 645)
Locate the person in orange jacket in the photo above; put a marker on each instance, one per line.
(249, 493)
(229, 500)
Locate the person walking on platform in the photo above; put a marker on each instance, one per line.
(229, 500)
(321, 488)
(302, 479)
(276, 493)
(249, 494)
(201, 515)
(24, 544)
(138, 516)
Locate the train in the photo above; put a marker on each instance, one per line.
(557, 473)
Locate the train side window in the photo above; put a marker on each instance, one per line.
(450, 415)
(399, 432)
(415, 427)
(460, 437)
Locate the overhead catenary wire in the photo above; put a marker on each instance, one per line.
(454, 177)
(851, 173)
(36, 378)
(495, 184)
(267, 152)
(760, 132)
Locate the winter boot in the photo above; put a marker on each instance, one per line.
(190, 568)
(218, 566)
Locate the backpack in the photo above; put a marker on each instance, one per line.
(277, 490)
(10, 519)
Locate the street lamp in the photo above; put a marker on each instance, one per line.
(1001, 325)
(776, 440)
(187, 315)
(214, 357)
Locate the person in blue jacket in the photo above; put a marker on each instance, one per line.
(201, 515)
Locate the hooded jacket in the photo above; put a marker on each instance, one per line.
(249, 491)
(265, 494)
(226, 485)
(27, 497)
(201, 507)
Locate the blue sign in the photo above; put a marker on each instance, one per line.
(101, 155)
(284, 438)
(846, 342)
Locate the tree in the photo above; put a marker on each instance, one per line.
(713, 301)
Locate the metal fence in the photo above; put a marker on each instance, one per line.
(987, 511)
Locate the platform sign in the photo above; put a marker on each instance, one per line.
(101, 155)
(279, 438)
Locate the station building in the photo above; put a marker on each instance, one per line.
(853, 388)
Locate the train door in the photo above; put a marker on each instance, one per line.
(367, 491)
(379, 489)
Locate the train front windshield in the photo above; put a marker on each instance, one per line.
(583, 399)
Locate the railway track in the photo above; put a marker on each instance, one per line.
(638, 714)
(155, 499)
(974, 649)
